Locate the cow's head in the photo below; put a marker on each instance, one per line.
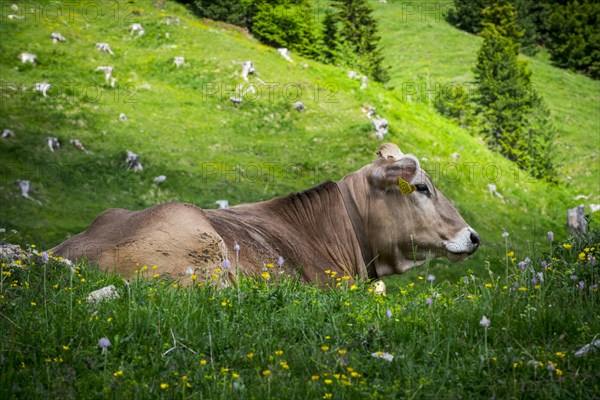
(406, 219)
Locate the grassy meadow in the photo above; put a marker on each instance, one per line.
(511, 335)
(278, 338)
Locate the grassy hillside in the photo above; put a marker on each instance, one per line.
(427, 53)
(207, 147)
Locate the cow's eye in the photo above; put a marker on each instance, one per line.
(423, 189)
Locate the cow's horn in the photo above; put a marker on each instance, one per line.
(389, 150)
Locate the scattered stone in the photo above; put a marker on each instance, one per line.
(7, 134)
(53, 143)
(299, 106)
(104, 47)
(104, 294)
(57, 37)
(160, 179)
(222, 203)
(28, 57)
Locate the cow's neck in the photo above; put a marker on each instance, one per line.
(311, 229)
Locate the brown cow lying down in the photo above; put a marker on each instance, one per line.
(383, 219)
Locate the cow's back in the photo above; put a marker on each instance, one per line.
(172, 236)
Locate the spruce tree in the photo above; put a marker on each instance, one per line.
(357, 42)
(513, 116)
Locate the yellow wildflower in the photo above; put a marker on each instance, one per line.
(328, 381)
(341, 352)
(266, 372)
(327, 396)
(581, 256)
(488, 285)
(118, 374)
(155, 276)
(266, 275)
(164, 386)
(203, 362)
(235, 375)
(353, 287)
(560, 354)
(324, 348)
(567, 246)
(279, 353)
(250, 355)
(314, 377)
(559, 372)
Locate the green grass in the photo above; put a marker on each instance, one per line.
(208, 343)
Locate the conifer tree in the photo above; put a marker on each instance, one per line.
(357, 43)
(513, 116)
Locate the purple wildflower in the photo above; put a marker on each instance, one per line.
(226, 264)
(574, 278)
(581, 285)
(534, 281)
(428, 301)
(104, 343)
(592, 260)
(485, 322)
(466, 280)
(504, 234)
(431, 277)
(594, 286)
(45, 257)
(541, 277)
(436, 295)
(522, 266)
(551, 236)
(236, 247)
(550, 367)
(544, 265)
(388, 313)
(280, 261)
(527, 261)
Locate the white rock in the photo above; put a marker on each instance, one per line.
(104, 294)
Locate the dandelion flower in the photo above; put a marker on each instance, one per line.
(485, 322)
(567, 246)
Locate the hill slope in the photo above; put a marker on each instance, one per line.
(427, 54)
(181, 123)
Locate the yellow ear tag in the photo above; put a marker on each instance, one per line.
(405, 187)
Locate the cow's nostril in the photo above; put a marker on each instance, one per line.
(475, 238)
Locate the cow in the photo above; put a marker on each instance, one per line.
(382, 219)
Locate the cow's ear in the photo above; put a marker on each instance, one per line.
(387, 173)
